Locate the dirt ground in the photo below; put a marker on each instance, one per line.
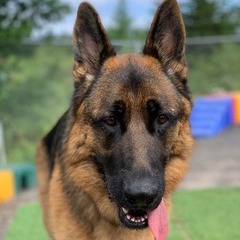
(8, 210)
(214, 163)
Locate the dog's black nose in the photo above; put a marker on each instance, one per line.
(140, 194)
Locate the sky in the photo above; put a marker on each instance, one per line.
(140, 11)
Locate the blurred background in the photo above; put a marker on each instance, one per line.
(36, 85)
(36, 57)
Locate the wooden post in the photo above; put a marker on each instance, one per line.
(3, 159)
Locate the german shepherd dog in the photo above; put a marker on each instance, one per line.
(111, 162)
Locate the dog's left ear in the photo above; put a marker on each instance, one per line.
(91, 45)
(166, 38)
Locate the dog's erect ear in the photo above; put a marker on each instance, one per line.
(166, 38)
(91, 44)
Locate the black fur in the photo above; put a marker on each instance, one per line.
(53, 140)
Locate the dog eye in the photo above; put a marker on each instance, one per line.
(162, 119)
(111, 121)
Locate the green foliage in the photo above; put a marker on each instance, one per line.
(122, 22)
(18, 19)
(205, 17)
(214, 71)
(122, 28)
(35, 91)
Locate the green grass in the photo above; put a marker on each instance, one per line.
(27, 224)
(206, 215)
(197, 215)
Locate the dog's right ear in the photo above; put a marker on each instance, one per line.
(91, 45)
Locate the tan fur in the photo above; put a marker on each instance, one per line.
(60, 218)
(79, 148)
(73, 195)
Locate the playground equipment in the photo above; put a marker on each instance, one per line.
(212, 114)
(236, 108)
(15, 178)
(7, 186)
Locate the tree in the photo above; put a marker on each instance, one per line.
(122, 22)
(21, 106)
(19, 17)
(33, 95)
(210, 17)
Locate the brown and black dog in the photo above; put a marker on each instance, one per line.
(123, 145)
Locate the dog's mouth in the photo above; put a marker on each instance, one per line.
(133, 218)
(156, 219)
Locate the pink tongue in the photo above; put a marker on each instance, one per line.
(158, 222)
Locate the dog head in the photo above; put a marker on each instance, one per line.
(129, 137)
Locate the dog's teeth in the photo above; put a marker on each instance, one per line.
(133, 219)
(125, 210)
(137, 219)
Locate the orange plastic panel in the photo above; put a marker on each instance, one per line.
(7, 185)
